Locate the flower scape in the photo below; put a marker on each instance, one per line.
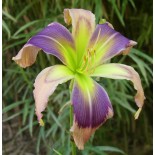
(84, 55)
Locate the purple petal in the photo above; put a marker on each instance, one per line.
(92, 108)
(55, 39)
(107, 43)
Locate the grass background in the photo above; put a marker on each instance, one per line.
(122, 134)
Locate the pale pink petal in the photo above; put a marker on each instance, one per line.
(44, 88)
(83, 25)
(120, 71)
(26, 56)
(82, 135)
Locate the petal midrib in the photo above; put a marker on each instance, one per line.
(53, 40)
(106, 42)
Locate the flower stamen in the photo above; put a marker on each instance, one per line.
(88, 59)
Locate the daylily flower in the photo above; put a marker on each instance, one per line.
(84, 54)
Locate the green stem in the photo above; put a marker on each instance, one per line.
(71, 121)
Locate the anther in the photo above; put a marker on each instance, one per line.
(88, 58)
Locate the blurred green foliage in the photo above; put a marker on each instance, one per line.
(21, 20)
